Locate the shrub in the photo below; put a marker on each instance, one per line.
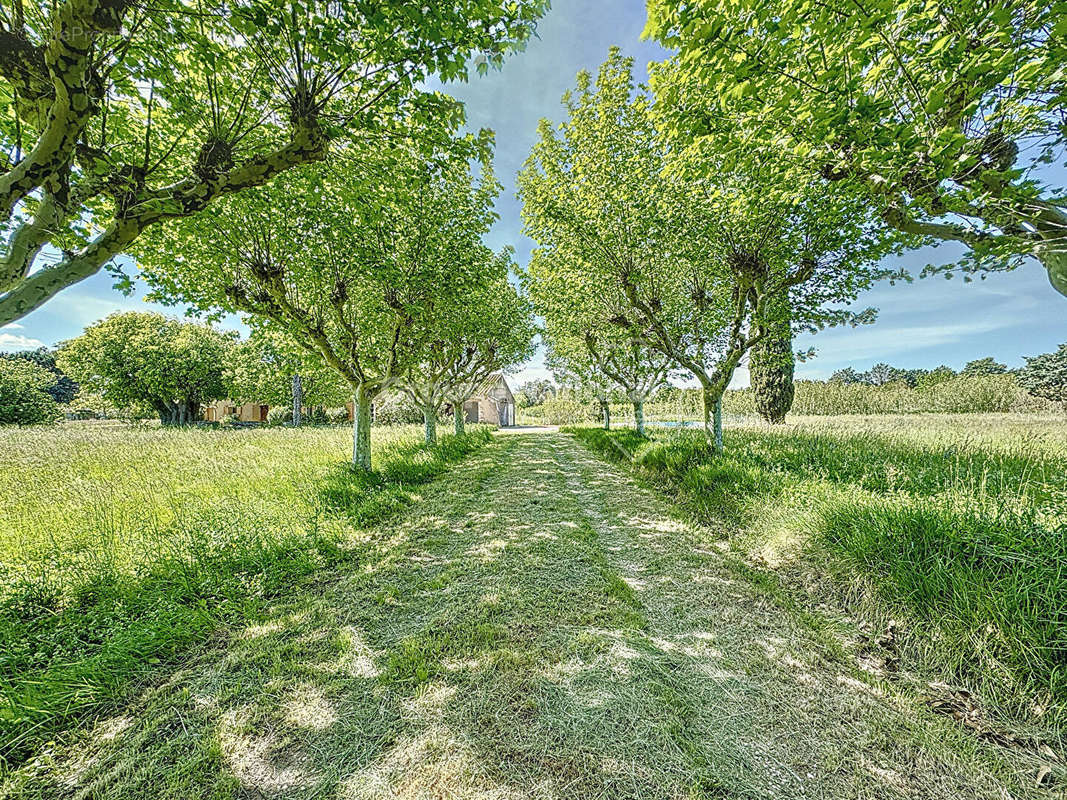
(229, 421)
(279, 416)
(559, 411)
(337, 416)
(24, 393)
(395, 410)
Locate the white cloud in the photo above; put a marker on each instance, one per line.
(16, 341)
(11, 326)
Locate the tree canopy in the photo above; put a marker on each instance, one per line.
(945, 115)
(25, 397)
(686, 267)
(137, 359)
(116, 116)
(1046, 375)
(350, 258)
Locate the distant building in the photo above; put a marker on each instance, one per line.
(493, 404)
(246, 412)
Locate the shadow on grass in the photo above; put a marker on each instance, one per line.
(497, 641)
(67, 655)
(967, 545)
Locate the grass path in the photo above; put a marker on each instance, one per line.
(537, 626)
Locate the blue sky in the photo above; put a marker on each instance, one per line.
(922, 324)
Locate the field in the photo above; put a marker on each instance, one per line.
(123, 545)
(842, 607)
(943, 535)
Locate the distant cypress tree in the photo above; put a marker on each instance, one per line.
(771, 365)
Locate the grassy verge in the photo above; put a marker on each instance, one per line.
(959, 539)
(123, 547)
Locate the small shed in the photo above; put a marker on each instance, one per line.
(492, 403)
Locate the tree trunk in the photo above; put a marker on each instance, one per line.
(429, 417)
(713, 419)
(639, 417)
(771, 364)
(457, 418)
(605, 413)
(361, 431)
(298, 399)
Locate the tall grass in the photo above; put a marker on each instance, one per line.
(963, 394)
(955, 528)
(122, 546)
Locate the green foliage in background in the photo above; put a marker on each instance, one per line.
(25, 397)
(140, 359)
(1046, 375)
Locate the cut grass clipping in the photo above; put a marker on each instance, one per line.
(960, 538)
(124, 546)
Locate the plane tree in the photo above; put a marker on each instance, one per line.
(947, 115)
(470, 337)
(693, 263)
(349, 258)
(116, 116)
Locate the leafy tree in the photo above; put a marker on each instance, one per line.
(350, 258)
(145, 359)
(935, 377)
(848, 375)
(116, 116)
(487, 329)
(881, 374)
(261, 369)
(575, 367)
(693, 263)
(942, 112)
(534, 392)
(984, 366)
(25, 397)
(1046, 375)
(586, 347)
(771, 364)
(63, 389)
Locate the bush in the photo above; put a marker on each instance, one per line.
(24, 393)
(279, 416)
(560, 411)
(396, 410)
(229, 421)
(337, 416)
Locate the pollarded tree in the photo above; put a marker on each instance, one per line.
(349, 258)
(137, 359)
(695, 263)
(1046, 375)
(945, 112)
(574, 368)
(116, 116)
(485, 329)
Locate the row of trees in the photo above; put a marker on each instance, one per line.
(273, 158)
(639, 275)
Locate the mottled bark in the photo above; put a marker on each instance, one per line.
(605, 413)
(457, 418)
(361, 430)
(298, 399)
(639, 417)
(713, 418)
(429, 418)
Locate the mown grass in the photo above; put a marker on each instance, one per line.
(956, 529)
(121, 546)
